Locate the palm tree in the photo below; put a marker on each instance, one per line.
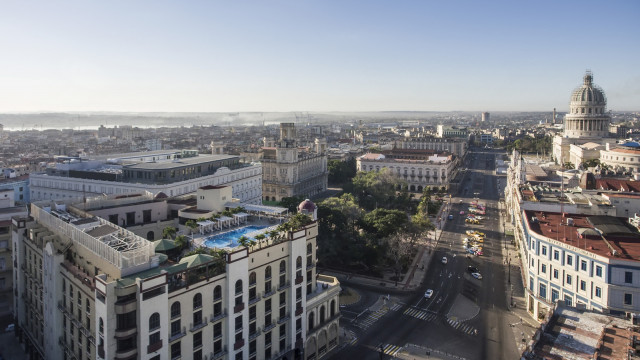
(260, 238)
(180, 241)
(273, 234)
(244, 241)
(169, 232)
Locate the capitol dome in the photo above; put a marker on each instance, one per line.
(588, 93)
(587, 117)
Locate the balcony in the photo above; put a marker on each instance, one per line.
(199, 326)
(271, 291)
(284, 286)
(269, 327)
(254, 300)
(154, 347)
(284, 319)
(311, 265)
(124, 333)
(177, 336)
(126, 353)
(219, 354)
(219, 316)
(239, 344)
(255, 334)
(238, 308)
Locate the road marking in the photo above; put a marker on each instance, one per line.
(372, 318)
(390, 349)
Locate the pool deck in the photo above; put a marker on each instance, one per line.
(199, 239)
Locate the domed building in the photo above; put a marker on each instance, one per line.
(587, 112)
(586, 122)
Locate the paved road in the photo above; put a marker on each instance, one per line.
(465, 317)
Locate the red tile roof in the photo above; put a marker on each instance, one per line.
(617, 185)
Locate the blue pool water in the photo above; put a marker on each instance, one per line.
(230, 238)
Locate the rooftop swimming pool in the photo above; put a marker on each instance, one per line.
(230, 238)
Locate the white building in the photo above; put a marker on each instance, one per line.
(434, 170)
(89, 289)
(621, 158)
(587, 121)
(168, 172)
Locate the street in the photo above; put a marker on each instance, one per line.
(464, 317)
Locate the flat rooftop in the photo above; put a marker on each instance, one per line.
(574, 334)
(179, 162)
(589, 233)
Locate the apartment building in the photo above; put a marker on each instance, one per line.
(90, 289)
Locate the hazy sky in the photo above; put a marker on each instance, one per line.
(321, 55)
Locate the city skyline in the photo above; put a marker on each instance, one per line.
(314, 56)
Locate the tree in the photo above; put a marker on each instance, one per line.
(192, 225)
(291, 203)
(399, 247)
(169, 232)
(375, 188)
(341, 172)
(244, 241)
(260, 239)
(381, 223)
(180, 242)
(299, 220)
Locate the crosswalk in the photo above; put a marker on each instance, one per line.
(396, 307)
(371, 318)
(390, 349)
(465, 328)
(420, 314)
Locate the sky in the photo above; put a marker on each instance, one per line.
(315, 55)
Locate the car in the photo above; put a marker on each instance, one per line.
(461, 212)
(472, 269)
(9, 327)
(476, 275)
(428, 294)
(444, 260)
(450, 217)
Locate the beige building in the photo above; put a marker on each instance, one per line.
(90, 289)
(7, 211)
(453, 146)
(288, 170)
(621, 158)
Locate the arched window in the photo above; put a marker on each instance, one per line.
(101, 326)
(267, 273)
(311, 318)
(238, 287)
(197, 301)
(309, 248)
(283, 267)
(333, 308)
(322, 314)
(154, 321)
(150, 235)
(175, 309)
(299, 262)
(217, 293)
(252, 279)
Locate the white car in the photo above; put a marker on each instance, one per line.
(9, 327)
(428, 294)
(476, 275)
(444, 260)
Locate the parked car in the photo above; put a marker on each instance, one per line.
(428, 294)
(476, 275)
(444, 260)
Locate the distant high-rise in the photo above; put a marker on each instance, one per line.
(485, 116)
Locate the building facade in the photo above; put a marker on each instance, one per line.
(621, 158)
(431, 171)
(89, 289)
(289, 170)
(453, 146)
(75, 179)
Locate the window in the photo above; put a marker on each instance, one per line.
(267, 275)
(283, 298)
(544, 250)
(598, 292)
(555, 273)
(283, 268)
(197, 339)
(568, 279)
(197, 301)
(544, 268)
(154, 322)
(543, 291)
(175, 350)
(238, 323)
(583, 285)
(554, 295)
(628, 277)
(598, 271)
(217, 330)
(175, 327)
(556, 255)
(583, 265)
(238, 287)
(175, 309)
(568, 300)
(217, 293)
(628, 299)
(569, 260)
(531, 283)
(267, 305)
